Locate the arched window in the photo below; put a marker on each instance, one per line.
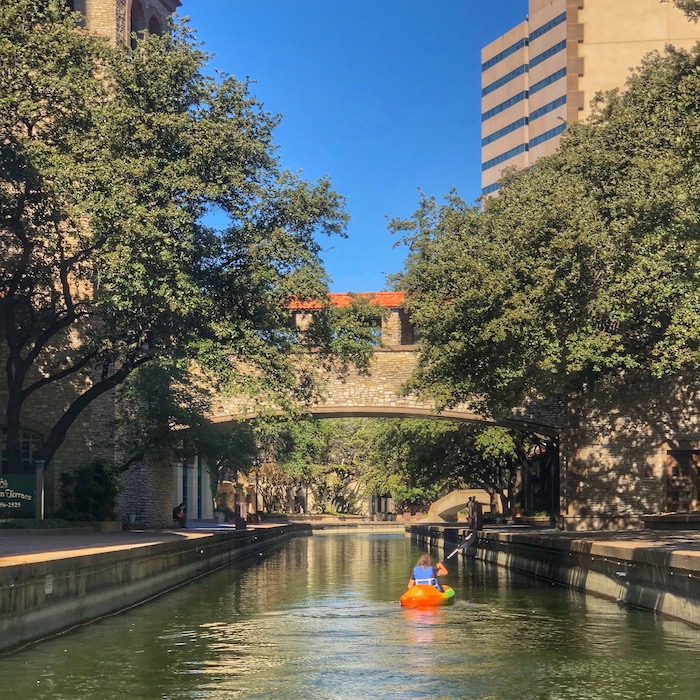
(138, 19)
(154, 26)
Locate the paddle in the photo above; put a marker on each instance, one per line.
(467, 542)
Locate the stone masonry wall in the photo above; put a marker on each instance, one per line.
(147, 494)
(379, 392)
(112, 18)
(617, 451)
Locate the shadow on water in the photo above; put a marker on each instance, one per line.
(319, 618)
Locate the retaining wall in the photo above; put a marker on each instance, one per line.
(39, 599)
(662, 579)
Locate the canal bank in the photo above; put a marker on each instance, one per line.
(51, 583)
(656, 571)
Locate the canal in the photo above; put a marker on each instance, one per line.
(319, 618)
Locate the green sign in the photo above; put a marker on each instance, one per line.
(17, 496)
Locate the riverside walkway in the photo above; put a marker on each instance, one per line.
(18, 546)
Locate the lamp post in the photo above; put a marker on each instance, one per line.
(39, 489)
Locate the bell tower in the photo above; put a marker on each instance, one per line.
(117, 19)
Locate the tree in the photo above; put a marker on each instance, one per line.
(418, 461)
(144, 217)
(325, 455)
(410, 459)
(690, 7)
(583, 270)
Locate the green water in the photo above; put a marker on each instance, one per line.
(319, 618)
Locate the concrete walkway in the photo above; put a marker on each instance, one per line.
(22, 546)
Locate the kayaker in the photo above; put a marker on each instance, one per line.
(424, 572)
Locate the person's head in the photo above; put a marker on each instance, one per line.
(425, 561)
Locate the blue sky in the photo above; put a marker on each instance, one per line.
(382, 96)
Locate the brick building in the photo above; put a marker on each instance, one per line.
(118, 19)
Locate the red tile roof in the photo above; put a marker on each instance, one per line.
(384, 299)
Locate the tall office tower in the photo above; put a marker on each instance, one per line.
(545, 71)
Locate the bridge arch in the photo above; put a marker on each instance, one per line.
(375, 411)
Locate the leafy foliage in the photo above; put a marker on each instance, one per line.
(419, 461)
(327, 456)
(583, 270)
(90, 492)
(145, 216)
(690, 7)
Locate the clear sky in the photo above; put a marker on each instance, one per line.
(382, 96)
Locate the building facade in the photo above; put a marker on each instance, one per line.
(118, 19)
(544, 72)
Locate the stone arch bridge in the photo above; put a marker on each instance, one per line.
(379, 391)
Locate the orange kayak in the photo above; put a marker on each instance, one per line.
(423, 594)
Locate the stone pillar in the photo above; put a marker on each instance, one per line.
(147, 495)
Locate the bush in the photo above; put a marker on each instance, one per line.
(90, 492)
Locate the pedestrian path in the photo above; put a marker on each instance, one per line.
(17, 546)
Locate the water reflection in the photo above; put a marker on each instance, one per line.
(319, 618)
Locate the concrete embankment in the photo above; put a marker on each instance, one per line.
(46, 592)
(652, 571)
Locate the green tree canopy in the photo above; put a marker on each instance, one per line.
(418, 461)
(145, 215)
(583, 269)
(690, 7)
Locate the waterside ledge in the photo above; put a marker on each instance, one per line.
(46, 593)
(655, 572)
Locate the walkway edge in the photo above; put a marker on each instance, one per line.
(40, 599)
(663, 579)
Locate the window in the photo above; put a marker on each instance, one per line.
(522, 43)
(504, 105)
(505, 79)
(548, 81)
(504, 156)
(547, 135)
(682, 480)
(491, 188)
(548, 26)
(30, 442)
(549, 107)
(154, 27)
(138, 20)
(540, 58)
(504, 131)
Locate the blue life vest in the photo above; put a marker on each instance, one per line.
(427, 575)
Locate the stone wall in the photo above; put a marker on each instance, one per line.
(658, 578)
(44, 598)
(147, 494)
(113, 18)
(379, 392)
(617, 450)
